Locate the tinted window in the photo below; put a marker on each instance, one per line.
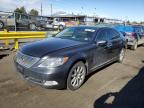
(24, 17)
(103, 35)
(113, 34)
(12, 16)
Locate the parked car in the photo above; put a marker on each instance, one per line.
(66, 59)
(56, 23)
(21, 21)
(133, 34)
(30, 22)
(7, 20)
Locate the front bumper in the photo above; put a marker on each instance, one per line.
(56, 76)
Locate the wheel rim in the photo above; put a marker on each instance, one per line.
(61, 27)
(78, 76)
(32, 26)
(122, 53)
(1, 25)
(135, 46)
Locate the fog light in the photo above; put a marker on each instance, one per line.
(50, 83)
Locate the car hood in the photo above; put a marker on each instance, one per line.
(46, 46)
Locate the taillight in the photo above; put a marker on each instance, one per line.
(132, 34)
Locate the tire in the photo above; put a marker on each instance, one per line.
(76, 76)
(134, 47)
(121, 55)
(32, 26)
(1, 25)
(61, 27)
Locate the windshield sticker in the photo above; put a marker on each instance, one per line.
(89, 30)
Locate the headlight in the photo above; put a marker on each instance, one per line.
(53, 62)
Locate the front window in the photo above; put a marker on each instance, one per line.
(11, 16)
(78, 33)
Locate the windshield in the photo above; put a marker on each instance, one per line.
(77, 33)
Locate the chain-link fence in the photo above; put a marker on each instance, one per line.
(16, 21)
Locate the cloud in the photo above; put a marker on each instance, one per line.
(11, 5)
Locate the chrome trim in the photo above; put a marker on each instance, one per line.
(95, 67)
(26, 60)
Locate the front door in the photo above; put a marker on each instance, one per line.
(100, 54)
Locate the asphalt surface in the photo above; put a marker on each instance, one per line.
(115, 86)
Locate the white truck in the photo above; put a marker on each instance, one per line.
(56, 23)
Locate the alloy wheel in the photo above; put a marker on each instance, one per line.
(1, 25)
(135, 46)
(76, 76)
(32, 26)
(122, 54)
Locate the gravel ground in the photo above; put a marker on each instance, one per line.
(115, 86)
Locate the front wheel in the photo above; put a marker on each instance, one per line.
(121, 55)
(1, 25)
(134, 47)
(76, 76)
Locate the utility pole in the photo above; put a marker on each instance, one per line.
(51, 9)
(82, 10)
(95, 12)
(41, 9)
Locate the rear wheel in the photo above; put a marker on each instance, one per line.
(121, 55)
(134, 47)
(76, 76)
(1, 25)
(61, 27)
(32, 26)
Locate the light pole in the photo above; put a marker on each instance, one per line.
(41, 9)
(82, 10)
(94, 12)
(51, 9)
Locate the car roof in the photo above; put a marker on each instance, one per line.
(92, 27)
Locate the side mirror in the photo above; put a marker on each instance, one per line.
(101, 43)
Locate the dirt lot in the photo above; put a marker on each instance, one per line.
(115, 86)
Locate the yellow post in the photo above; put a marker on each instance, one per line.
(6, 41)
(16, 44)
(5, 30)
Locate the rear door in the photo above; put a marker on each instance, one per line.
(23, 21)
(140, 34)
(116, 41)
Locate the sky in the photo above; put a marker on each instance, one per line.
(118, 9)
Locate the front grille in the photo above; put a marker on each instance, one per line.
(26, 60)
